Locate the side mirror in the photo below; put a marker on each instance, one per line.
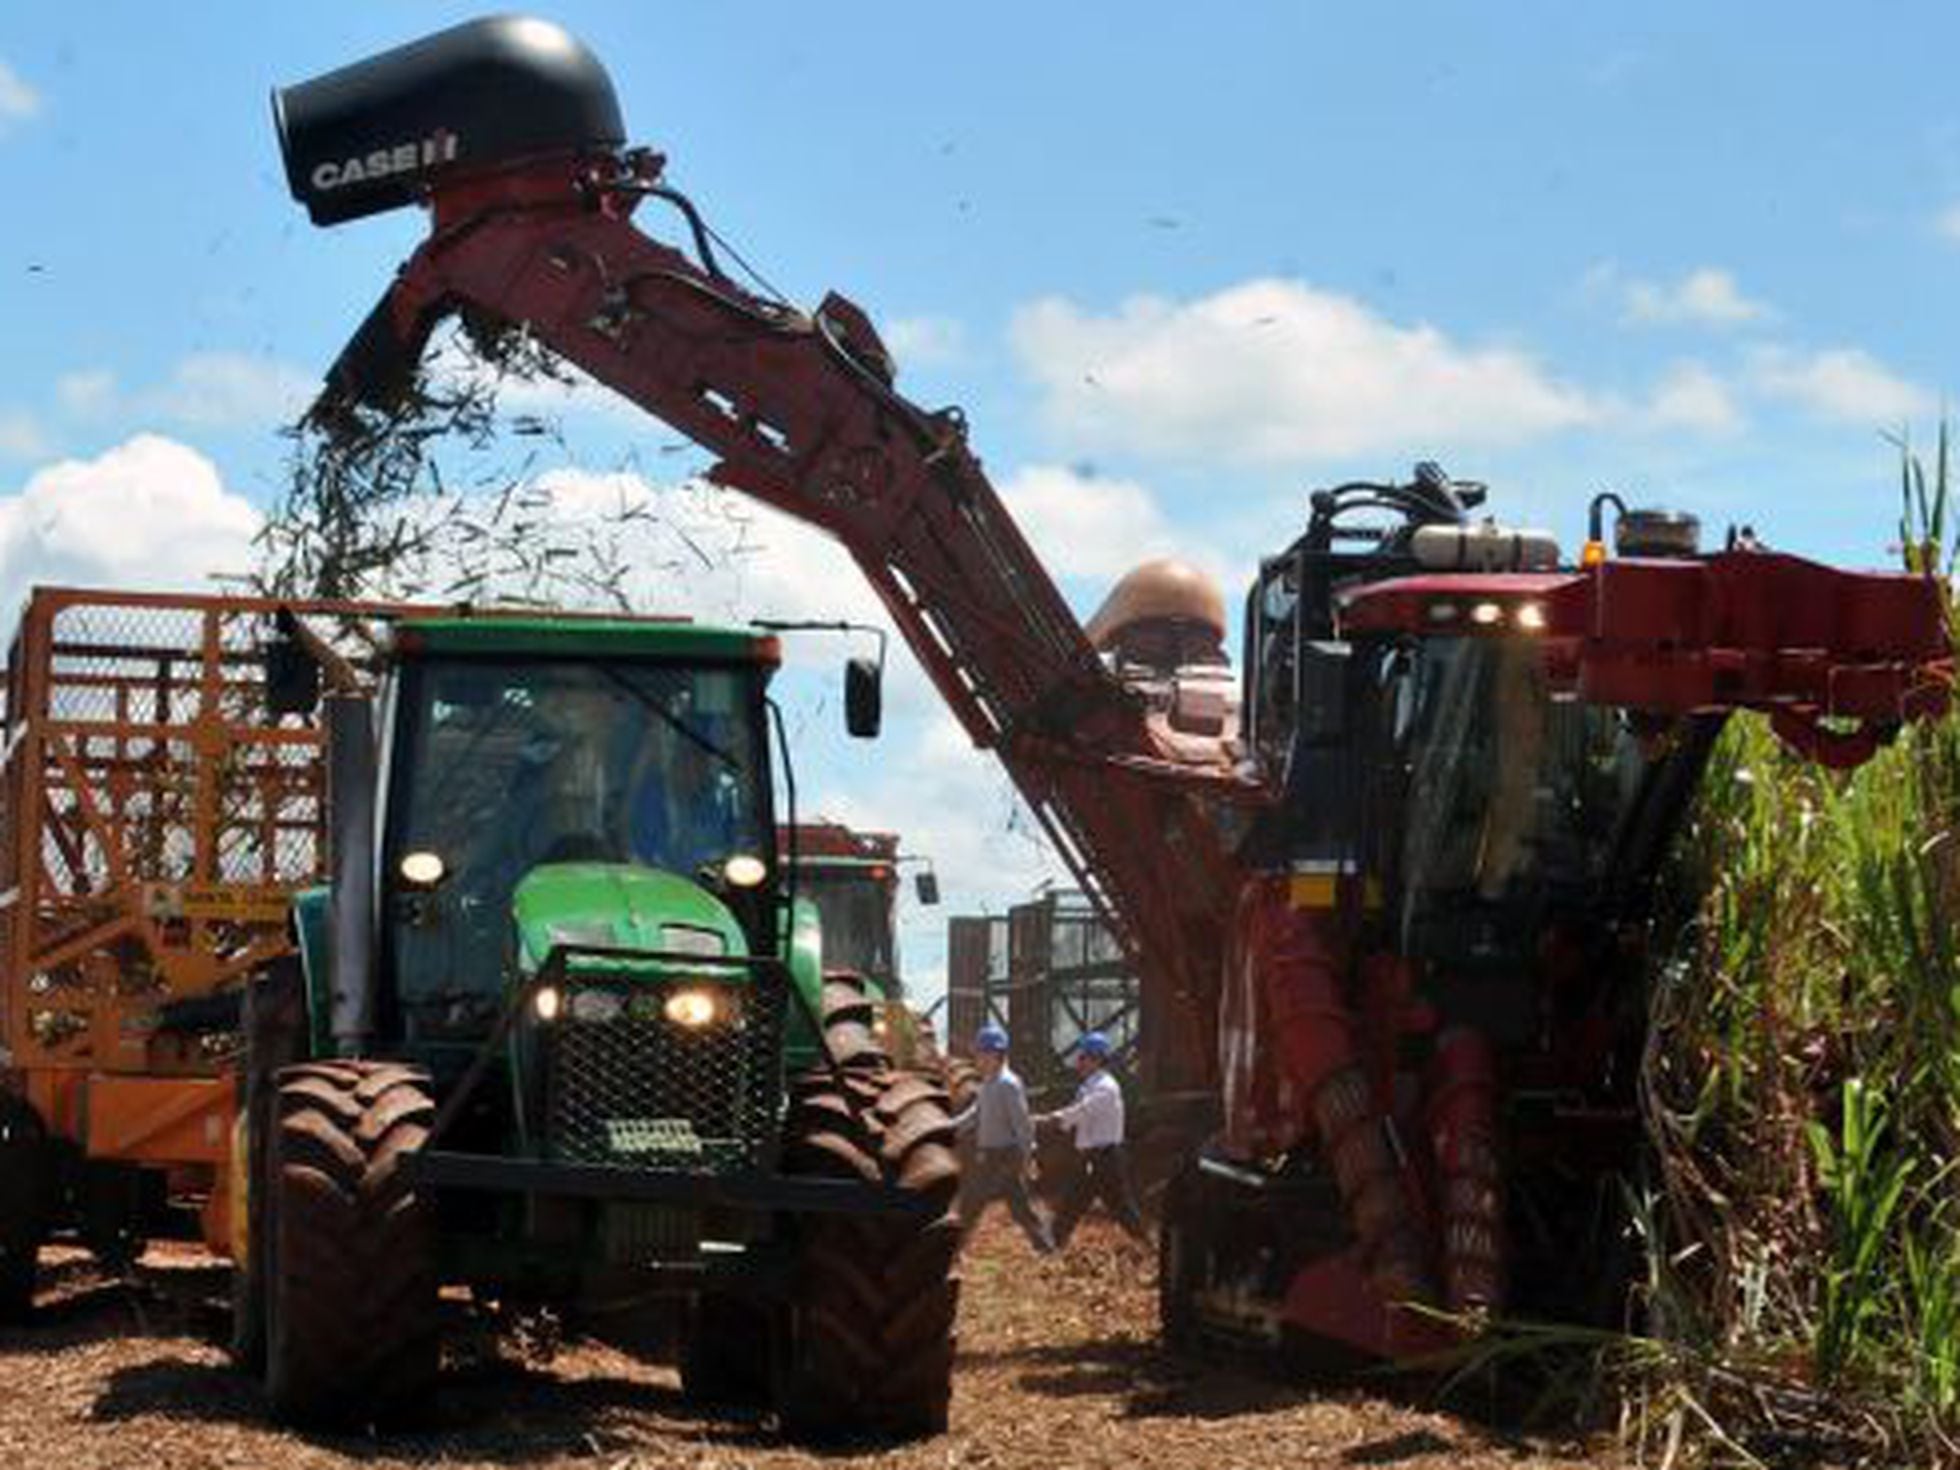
(864, 698)
(292, 678)
(927, 884)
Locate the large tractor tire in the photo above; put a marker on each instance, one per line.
(272, 1023)
(871, 1329)
(961, 1080)
(27, 1186)
(350, 1284)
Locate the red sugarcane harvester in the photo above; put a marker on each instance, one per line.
(1392, 914)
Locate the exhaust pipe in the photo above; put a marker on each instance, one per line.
(351, 768)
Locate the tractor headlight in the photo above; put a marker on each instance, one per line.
(422, 869)
(596, 1007)
(744, 870)
(548, 1002)
(1530, 617)
(1486, 614)
(692, 1008)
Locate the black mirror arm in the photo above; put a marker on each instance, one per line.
(790, 625)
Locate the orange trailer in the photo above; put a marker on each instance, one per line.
(156, 818)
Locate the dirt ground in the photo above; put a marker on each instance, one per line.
(1057, 1369)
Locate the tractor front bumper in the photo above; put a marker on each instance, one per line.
(759, 1192)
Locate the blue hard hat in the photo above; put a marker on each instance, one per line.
(990, 1038)
(1093, 1044)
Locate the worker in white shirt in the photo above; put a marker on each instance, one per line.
(1003, 1143)
(1095, 1119)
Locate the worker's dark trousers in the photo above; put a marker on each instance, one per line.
(997, 1173)
(1100, 1174)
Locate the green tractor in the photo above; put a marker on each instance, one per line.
(557, 1033)
(851, 877)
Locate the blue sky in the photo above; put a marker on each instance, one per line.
(1180, 266)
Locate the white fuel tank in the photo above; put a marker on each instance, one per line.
(1484, 547)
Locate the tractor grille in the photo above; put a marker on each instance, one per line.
(638, 1090)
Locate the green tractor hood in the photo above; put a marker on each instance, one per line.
(620, 906)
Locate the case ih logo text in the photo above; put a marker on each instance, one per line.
(439, 147)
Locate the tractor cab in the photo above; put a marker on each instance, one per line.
(1499, 804)
(1402, 681)
(564, 852)
(852, 879)
(583, 810)
(601, 788)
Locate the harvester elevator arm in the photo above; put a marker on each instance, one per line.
(801, 412)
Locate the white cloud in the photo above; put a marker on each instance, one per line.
(1844, 383)
(1276, 370)
(232, 389)
(1081, 525)
(205, 390)
(924, 341)
(1706, 297)
(150, 513)
(18, 101)
(86, 395)
(578, 538)
(1691, 396)
(21, 435)
(1947, 224)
